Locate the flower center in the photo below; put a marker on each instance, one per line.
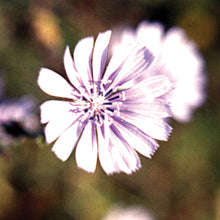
(96, 103)
(100, 103)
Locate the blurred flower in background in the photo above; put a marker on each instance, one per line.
(18, 118)
(128, 213)
(176, 57)
(110, 113)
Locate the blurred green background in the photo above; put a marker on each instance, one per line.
(182, 181)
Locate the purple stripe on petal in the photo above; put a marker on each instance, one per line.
(135, 130)
(100, 54)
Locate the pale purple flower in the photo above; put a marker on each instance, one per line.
(17, 118)
(107, 113)
(176, 57)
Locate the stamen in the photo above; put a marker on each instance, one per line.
(100, 93)
(103, 116)
(109, 92)
(111, 110)
(84, 99)
(113, 98)
(107, 103)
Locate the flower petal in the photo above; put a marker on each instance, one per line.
(69, 65)
(100, 54)
(86, 151)
(157, 85)
(65, 144)
(105, 154)
(58, 125)
(186, 66)
(120, 52)
(114, 155)
(123, 155)
(136, 63)
(141, 142)
(53, 84)
(158, 108)
(150, 35)
(52, 109)
(82, 58)
(150, 88)
(152, 126)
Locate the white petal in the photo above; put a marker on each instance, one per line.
(140, 142)
(150, 88)
(86, 151)
(106, 158)
(65, 144)
(123, 155)
(127, 37)
(150, 35)
(136, 63)
(58, 125)
(152, 126)
(105, 154)
(186, 66)
(157, 85)
(53, 84)
(82, 58)
(52, 109)
(114, 156)
(69, 65)
(100, 54)
(158, 108)
(120, 52)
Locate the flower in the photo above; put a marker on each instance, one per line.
(106, 112)
(17, 118)
(177, 58)
(121, 212)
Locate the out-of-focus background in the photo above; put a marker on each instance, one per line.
(182, 181)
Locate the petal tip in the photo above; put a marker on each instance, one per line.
(59, 155)
(87, 169)
(67, 50)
